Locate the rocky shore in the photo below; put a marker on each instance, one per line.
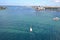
(2, 7)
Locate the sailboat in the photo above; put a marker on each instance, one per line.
(30, 29)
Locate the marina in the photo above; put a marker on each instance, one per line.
(29, 19)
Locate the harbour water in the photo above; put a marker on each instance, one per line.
(15, 23)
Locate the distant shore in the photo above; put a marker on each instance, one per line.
(2, 7)
(46, 8)
(38, 8)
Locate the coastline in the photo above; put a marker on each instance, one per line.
(46, 8)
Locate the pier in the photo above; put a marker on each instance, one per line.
(52, 8)
(38, 8)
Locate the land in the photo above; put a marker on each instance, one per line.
(38, 8)
(2, 7)
(46, 8)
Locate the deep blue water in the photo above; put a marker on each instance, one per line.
(15, 23)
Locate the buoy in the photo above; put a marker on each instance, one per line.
(30, 29)
(56, 18)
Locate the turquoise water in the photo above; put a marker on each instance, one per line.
(15, 23)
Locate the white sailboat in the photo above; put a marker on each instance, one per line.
(30, 29)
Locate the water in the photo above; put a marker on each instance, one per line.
(15, 23)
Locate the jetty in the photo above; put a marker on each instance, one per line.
(50, 8)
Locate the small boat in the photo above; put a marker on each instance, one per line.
(56, 18)
(30, 29)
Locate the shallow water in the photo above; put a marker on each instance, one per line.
(15, 23)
